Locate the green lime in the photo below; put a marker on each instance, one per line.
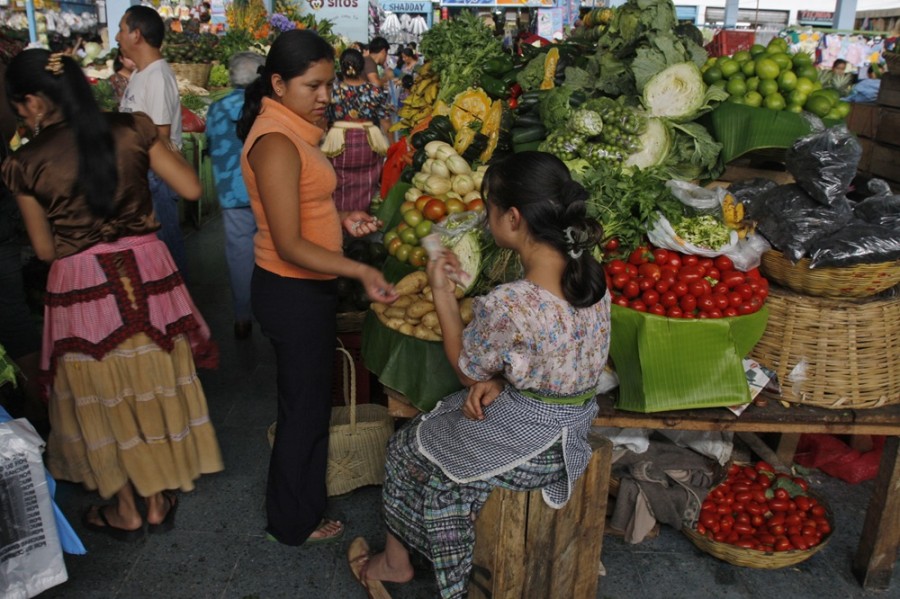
(749, 68)
(712, 75)
(756, 50)
(807, 71)
(843, 109)
(804, 85)
(752, 84)
(742, 56)
(766, 68)
(777, 44)
(801, 58)
(736, 99)
(833, 114)
(720, 83)
(767, 87)
(832, 94)
(782, 60)
(736, 87)
(729, 67)
(798, 97)
(774, 101)
(787, 81)
(753, 99)
(709, 62)
(795, 108)
(818, 105)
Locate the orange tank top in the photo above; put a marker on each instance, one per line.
(319, 219)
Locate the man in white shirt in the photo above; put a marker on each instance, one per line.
(153, 90)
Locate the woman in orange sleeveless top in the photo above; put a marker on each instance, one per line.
(298, 258)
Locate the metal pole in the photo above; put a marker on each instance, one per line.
(32, 24)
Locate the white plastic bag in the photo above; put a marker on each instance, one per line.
(698, 198)
(31, 559)
(663, 235)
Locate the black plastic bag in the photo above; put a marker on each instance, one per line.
(857, 243)
(793, 221)
(748, 191)
(881, 208)
(824, 163)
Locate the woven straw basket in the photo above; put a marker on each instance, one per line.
(358, 437)
(830, 353)
(861, 280)
(195, 73)
(754, 558)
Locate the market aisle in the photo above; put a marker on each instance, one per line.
(218, 548)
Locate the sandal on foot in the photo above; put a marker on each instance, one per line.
(168, 522)
(311, 540)
(358, 560)
(119, 534)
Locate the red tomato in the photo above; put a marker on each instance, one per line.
(802, 503)
(750, 473)
(660, 256)
(674, 312)
(758, 520)
(743, 309)
(650, 297)
(616, 267)
(745, 290)
(637, 305)
(779, 505)
(611, 245)
(762, 293)
(782, 494)
(680, 288)
(631, 290)
(690, 260)
(720, 289)
(818, 511)
(688, 303)
(435, 210)
(475, 205)
(696, 288)
(705, 263)
(735, 299)
(690, 273)
(662, 285)
(645, 283)
(713, 273)
(782, 544)
(668, 299)
(714, 313)
(753, 273)
(631, 270)
(657, 309)
(618, 281)
(668, 272)
(640, 255)
(764, 481)
(732, 278)
(799, 542)
(723, 263)
(800, 482)
(721, 300)
(620, 300)
(650, 270)
(777, 529)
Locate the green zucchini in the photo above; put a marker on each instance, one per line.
(530, 146)
(524, 135)
(528, 119)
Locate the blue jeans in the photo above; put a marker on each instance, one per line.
(165, 205)
(240, 227)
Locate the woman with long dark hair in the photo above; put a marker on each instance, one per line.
(128, 415)
(531, 360)
(298, 258)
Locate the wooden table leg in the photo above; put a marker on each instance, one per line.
(787, 445)
(873, 564)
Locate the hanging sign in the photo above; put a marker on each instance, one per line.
(349, 17)
(408, 7)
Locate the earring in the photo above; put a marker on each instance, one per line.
(37, 123)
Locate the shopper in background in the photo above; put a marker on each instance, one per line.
(530, 361)
(408, 64)
(298, 258)
(128, 415)
(866, 90)
(123, 68)
(153, 90)
(356, 142)
(237, 217)
(376, 70)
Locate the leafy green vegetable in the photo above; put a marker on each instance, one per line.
(531, 76)
(694, 153)
(655, 142)
(554, 108)
(458, 49)
(678, 93)
(703, 231)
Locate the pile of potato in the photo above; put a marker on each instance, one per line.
(413, 312)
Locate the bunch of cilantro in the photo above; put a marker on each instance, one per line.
(458, 50)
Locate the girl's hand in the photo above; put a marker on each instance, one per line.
(481, 395)
(377, 288)
(441, 271)
(359, 223)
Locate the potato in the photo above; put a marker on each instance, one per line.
(378, 307)
(407, 329)
(427, 294)
(393, 312)
(412, 321)
(414, 282)
(437, 331)
(459, 292)
(419, 309)
(394, 323)
(426, 334)
(404, 301)
(465, 310)
(431, 321)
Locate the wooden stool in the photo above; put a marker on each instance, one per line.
(525, 549)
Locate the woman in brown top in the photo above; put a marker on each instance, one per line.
(127, 412)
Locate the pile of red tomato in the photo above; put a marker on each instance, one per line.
(668, 283)
(757, 508)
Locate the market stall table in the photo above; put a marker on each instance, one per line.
(876, 553)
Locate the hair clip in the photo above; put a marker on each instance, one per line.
(54, 64)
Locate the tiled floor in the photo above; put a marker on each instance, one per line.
(219, 550)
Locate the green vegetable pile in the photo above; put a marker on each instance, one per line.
(458, 49)
(703, 231)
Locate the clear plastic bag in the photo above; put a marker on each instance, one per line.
(701, 199)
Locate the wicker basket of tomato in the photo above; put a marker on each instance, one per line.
(762, 519)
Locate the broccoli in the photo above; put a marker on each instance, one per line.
(554, 107)
(531, 76)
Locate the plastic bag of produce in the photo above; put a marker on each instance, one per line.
(824, 163)
(793, 221)
(699, 198)
(664, 235)
(881, 208)
(857, 243)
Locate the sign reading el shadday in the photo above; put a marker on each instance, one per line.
(350, 17)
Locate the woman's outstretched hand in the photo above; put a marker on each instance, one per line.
(441, 271)
(481, 395)
(359, 223)
(376, 286)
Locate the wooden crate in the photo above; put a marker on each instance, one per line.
(863, 119)
(865, 161)
(889, 126)
(889, 92)
(885, 162)
(527, 550)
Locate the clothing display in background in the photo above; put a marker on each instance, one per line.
(403, 28)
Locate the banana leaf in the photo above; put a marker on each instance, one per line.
(675, 364)
(418, 369)
(389, 212)
(742, 129)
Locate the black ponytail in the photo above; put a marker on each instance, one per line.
(60, 80)
(291, 55)
(540, 186)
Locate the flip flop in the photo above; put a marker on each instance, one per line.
(358, 560)
(168, 522)
(327, 539)
(119, 534)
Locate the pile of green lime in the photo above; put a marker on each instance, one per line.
(771, 77)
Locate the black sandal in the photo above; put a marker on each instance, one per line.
(168, 522)
(119, 534)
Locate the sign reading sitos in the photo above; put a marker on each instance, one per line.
(350, 17)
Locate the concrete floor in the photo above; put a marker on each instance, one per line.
(218, 548)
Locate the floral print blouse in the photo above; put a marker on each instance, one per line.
(538, 341)
(363, 102)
